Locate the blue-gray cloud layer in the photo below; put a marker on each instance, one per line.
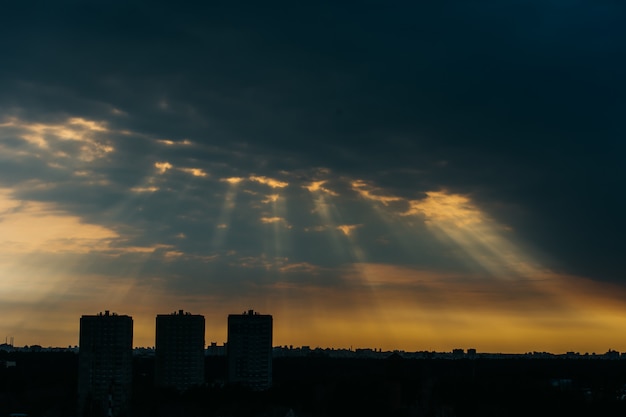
(519, 104)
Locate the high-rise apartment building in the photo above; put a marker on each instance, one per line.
(249, 350)
(105, 364)
(179, 360)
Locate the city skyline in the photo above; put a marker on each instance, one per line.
(213, 346)
(397, 176)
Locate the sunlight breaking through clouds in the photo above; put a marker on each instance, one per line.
(196, 172)
(150, 189)
(366, 183)
(279, 220)
(442, 207)
(281, 227)
(271, 198)
(271, 182)
(453, 218)
(368, 192)
(348, 229)
(29, 226)
(223, 221)
(88, 135)
(455, 221)
(168, 142)
(162, 167)
(318, 186)
(232, 180)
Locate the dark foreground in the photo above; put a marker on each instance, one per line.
(44, 384)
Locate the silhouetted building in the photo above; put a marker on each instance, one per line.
(249, 350)
(105, 364)
(179, 356)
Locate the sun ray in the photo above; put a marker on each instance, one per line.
(277, 220)
(369, 305)
(326, 211)
(455, 219)
(223, 220)
(281, 229)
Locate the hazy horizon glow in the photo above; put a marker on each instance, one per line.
(500, 304)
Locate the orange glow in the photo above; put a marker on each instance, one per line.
(268, 181)
(275, 219)
(318, 186)
(509, 304)
(413, 310)
(347, 229)
(271, 198)
(44, 135)
(370, 193)
(162, 166)
(150, 189)
(232, 180)
(441, 206)
(33, 226)
(196, 172)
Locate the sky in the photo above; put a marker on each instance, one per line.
(395, 175)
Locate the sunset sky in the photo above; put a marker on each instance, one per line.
(395, 175)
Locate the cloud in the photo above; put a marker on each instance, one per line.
(74, 138)
(162, 167)
(267, 220)
(196, 172)
(39, 227)
(441, 206)
(271, 198)
(365, 191)
(268, 181)
(144, 189)
(462, 140)
(348, 229)
(232, 180)
(318, 186)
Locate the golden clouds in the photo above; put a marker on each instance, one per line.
(371, 193)
(232, 180)
(318, 186)
(347, 229)
(275, 220)
(168, 142)
(271, 198)
(273, 183)
(162, 167)
(196, 172)
(441, 206)
(30, 227)
(40, 227)
(455, 220)
(90, 136)
(271, 219)
(150, 189)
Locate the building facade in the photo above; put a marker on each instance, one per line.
(105, 364)
(179, 355)
(249, 350)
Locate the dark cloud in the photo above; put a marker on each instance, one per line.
(519, 105)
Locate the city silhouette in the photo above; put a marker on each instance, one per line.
(105, 375)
